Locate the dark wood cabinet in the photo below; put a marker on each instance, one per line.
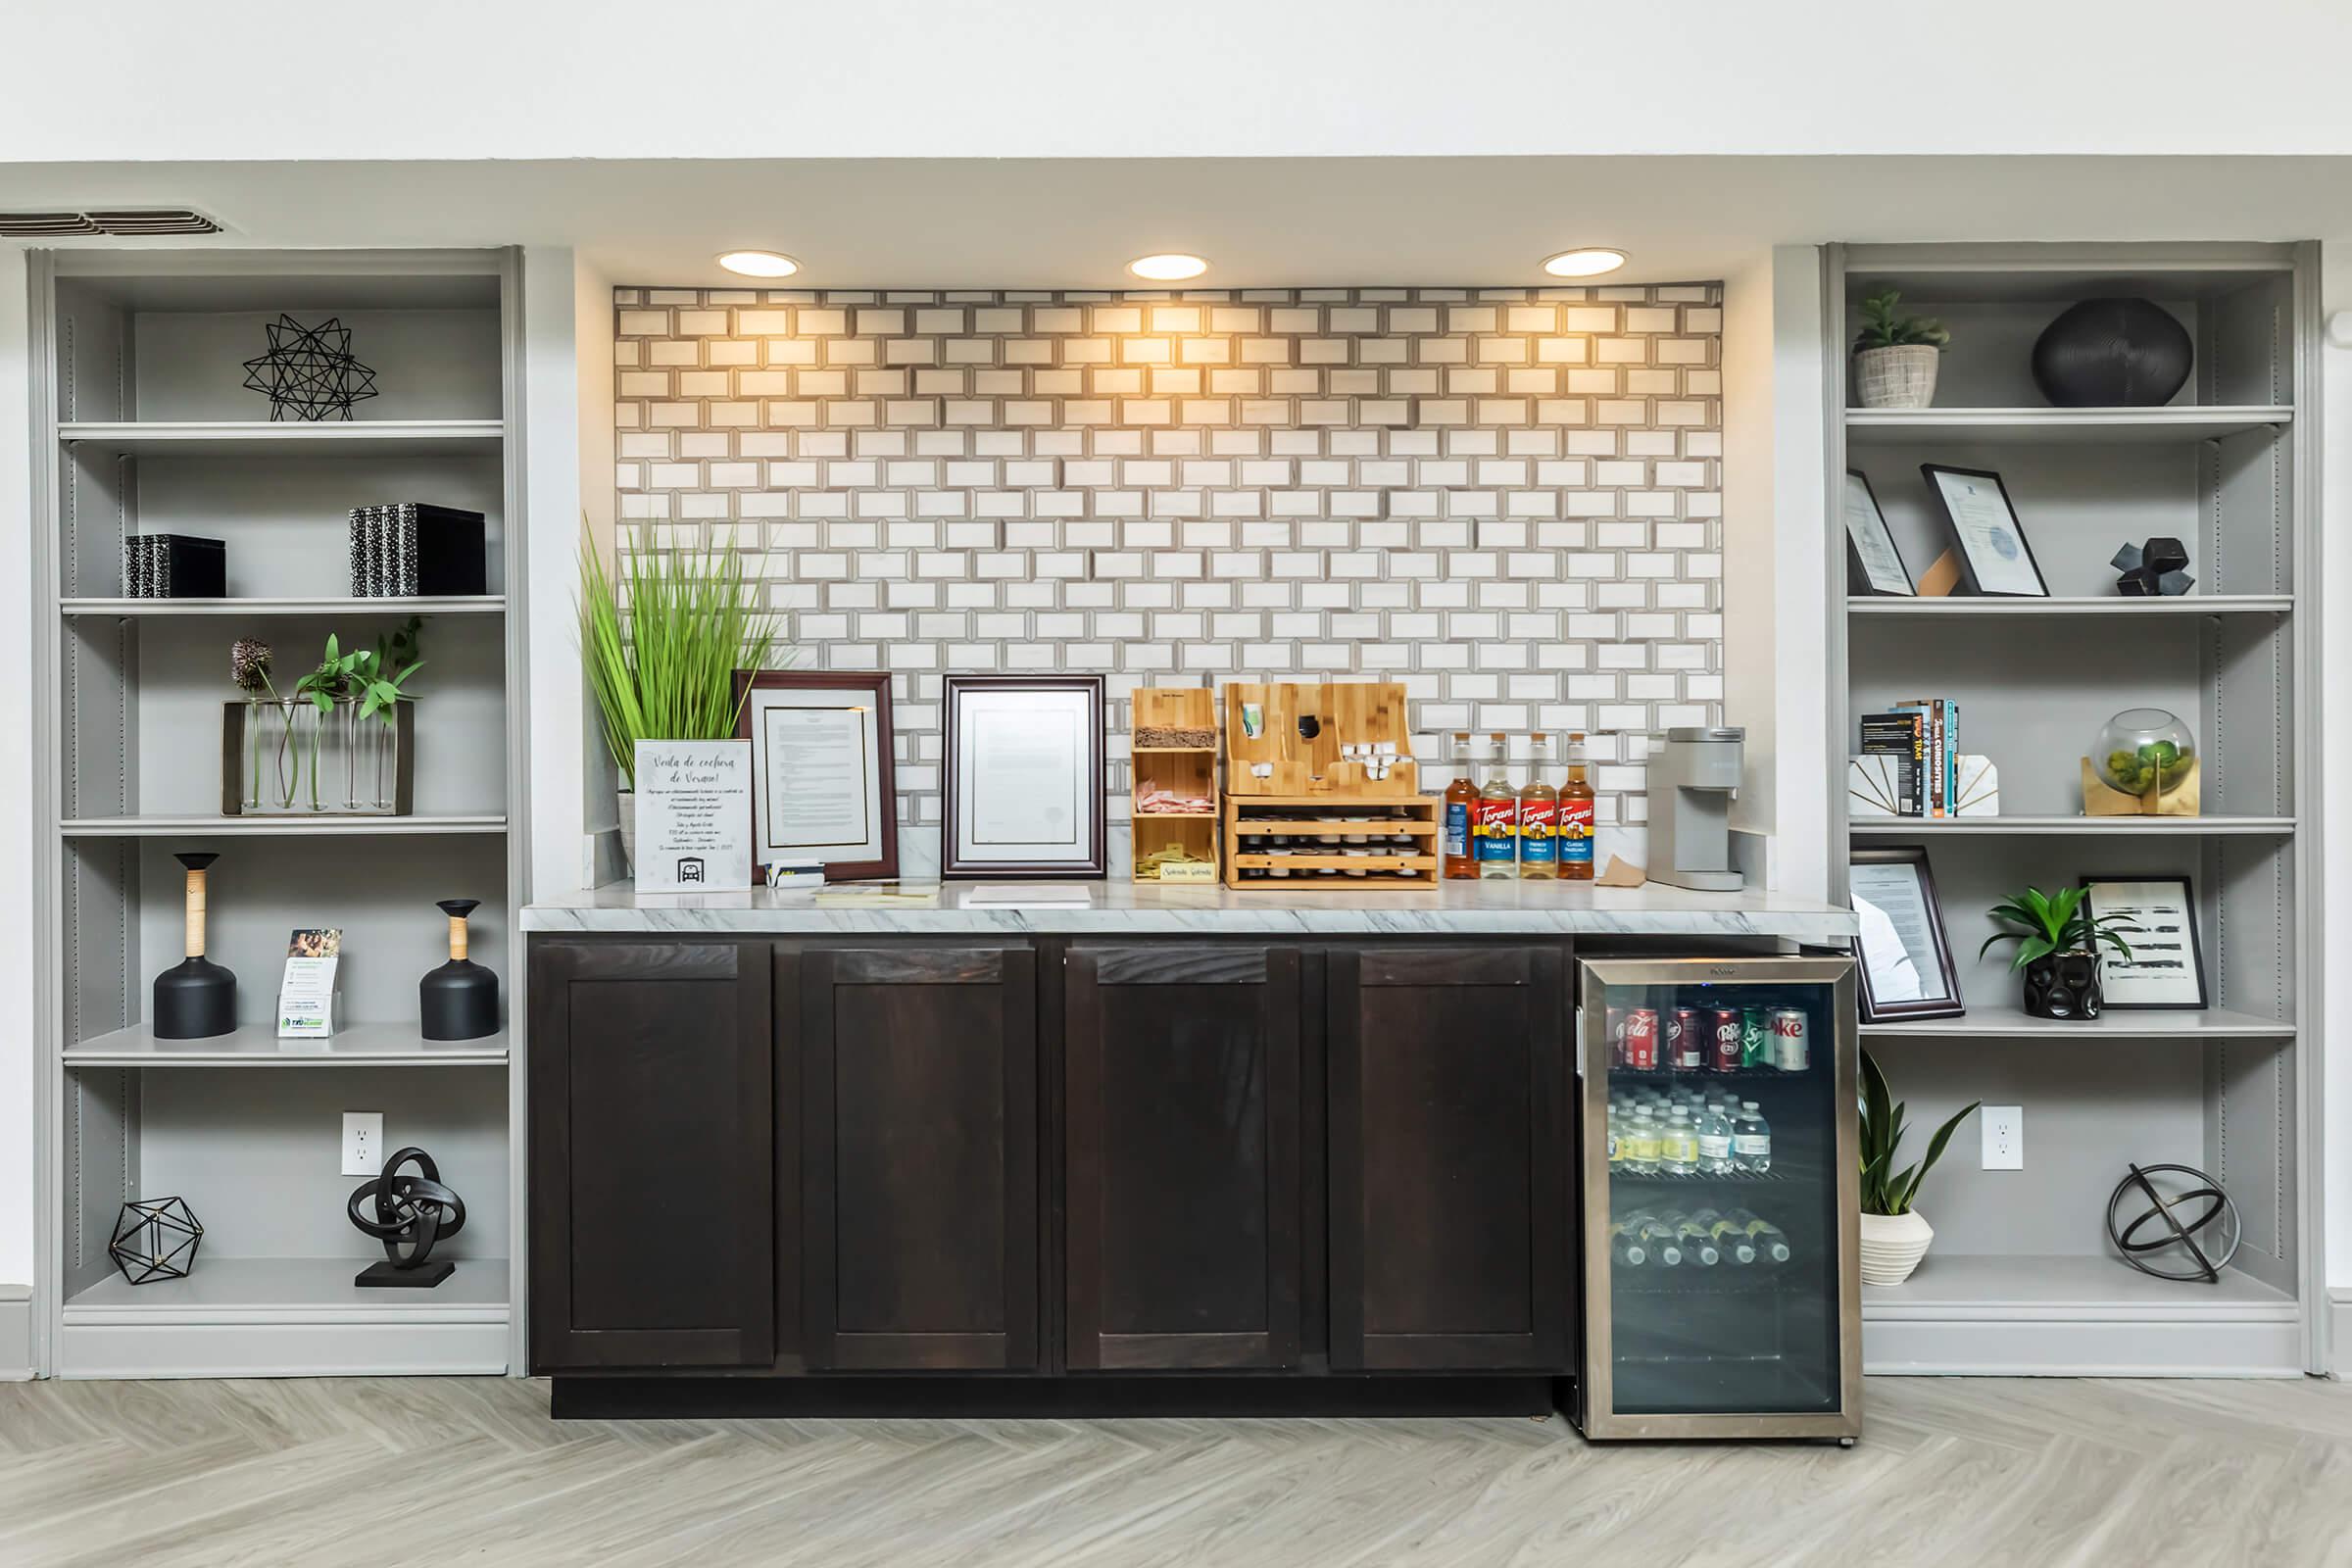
(918, 1156)
(1450, 1172)
(652, 1178)
(1182, 1126)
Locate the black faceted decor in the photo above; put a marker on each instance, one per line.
(2201, 1240)
(196, 999)
(155, 1239)
(2158, 568)
(310, 374)
(2111, 354)
(459, 1001)
(415, 1212)
(2065, 985)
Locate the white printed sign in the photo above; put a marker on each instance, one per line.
(307, 999)
(694, 816)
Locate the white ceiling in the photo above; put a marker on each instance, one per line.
(1074, 223)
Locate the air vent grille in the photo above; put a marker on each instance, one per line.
(54, 225)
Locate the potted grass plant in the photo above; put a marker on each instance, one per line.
(663, 647)
(1894, 1234)
(2058, 947)
(1896, 356)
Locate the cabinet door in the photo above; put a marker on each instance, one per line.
(1449, 1213)
(652, 1181)
(919, 1213)
(1183, 1112)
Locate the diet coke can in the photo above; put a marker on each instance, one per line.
(1723, 1040)
(1788, 1049)
(1685, 1040)
(1641, 1039)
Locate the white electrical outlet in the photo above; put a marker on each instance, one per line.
(363, 1142)
(2004, 1137)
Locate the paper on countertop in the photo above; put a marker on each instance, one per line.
(1027, 896)
(1620, 875)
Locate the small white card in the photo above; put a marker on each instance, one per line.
(306, 996)
(694, 816)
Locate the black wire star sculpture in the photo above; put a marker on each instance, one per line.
(309, 373)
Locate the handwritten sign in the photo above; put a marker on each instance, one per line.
(694, 816)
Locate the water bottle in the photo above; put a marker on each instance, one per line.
(1751, 1140)
(1678, 1145)
(1714, 1142)
(1641, 1143)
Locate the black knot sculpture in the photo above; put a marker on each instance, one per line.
(310, 373)
(409, 1214)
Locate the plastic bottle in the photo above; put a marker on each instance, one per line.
(1460, 797)
(1751, 1140)
(1771, 1242)
(1625, 1245)
(1678, 1145)
(1714, 1142)
(1494, 818)
(1697, 1245)
(1575, 827)
(1731, 1239)
(1641, 1145)
(1539, 815)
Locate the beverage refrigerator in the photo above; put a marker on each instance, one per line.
(1722, 1291)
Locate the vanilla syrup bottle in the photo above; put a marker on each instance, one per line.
(1494, 818)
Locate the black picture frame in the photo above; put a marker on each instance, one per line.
(957, 862)
(2144, 939)
(1951, 1005)
(874, 687)
(1970, 577)
(1858, 580)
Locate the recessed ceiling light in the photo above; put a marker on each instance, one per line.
(1172, 267)
(1589, 262)
(758, 264)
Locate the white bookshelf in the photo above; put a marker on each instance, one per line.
(154, 431)
(2020, 1278)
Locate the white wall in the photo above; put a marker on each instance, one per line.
(19, 1111)
(737, 78)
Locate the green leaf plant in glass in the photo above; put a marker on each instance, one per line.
(663, 639)
(2058, 947)
(1894, 1234)
(339, 719)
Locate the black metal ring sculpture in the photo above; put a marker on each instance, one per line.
(2208, 1268)
(414, 1211)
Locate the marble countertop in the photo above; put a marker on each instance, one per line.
(1472, 909)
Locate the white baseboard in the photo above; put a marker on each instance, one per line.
(2339, 1332)
(16, 1333)
(2089, 1345)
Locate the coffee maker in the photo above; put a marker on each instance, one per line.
(1692, 782)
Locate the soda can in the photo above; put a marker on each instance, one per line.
(1641, 1039)
(1755, 1038)
(1616, 1028)
(1789, 1045)
(1723, 1040)
(1687, 1040)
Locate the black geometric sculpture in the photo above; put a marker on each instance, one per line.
(309, 373)
(407, 1211)
(2218, 1213)
(155, 1239)
(2113, 352)
(2157, 569)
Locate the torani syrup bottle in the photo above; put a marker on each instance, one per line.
(1461, 797)
(1538, 814)
(1576, 815)
(1494, 818)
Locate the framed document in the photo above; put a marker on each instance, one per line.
(1995, 558)
(1906, 963)
(2167, 967)
(1024, 777)
(822, 791)
(1873, 565)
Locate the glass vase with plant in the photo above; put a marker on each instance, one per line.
(1896, 356)
(663, 639)
(356, 695)
(272, 764)
(1894, 1234)
(2059, 941)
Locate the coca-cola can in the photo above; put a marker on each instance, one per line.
(1641, 1039)
(1789, 1051)
(1723, 1040)
(1687, 1040)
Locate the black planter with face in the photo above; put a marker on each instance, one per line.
(2064, 985)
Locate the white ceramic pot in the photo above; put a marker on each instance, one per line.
(1892, 1246)
(627, 800)
(1899, 378)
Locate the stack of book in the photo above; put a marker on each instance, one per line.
(413, 549)
(1923, 738)
(174, 565)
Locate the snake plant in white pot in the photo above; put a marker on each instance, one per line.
(1894, 1234)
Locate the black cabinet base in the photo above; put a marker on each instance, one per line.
(664, 1397)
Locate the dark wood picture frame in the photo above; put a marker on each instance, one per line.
(1968, 565)
(2196, 947)
(1951, 1006)
(1857, 573)
(875, 683)
(953, 864)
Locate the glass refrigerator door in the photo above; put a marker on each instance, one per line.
(1722, 1297)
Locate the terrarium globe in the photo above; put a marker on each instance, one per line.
(2144, 748)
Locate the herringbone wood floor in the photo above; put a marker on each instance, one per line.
(470, 1471)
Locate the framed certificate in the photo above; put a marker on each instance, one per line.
(1024, 777)
(1995, 558)
(1906, 967)
(1873, 565)
(821, 783)
(2167, 967)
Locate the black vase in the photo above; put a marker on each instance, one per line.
(195, 999)
(2065, 985)
(459, 1001)
(2126, 353)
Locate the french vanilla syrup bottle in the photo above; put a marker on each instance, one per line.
(1461, 797)
(1538, 814)
(1576, 815)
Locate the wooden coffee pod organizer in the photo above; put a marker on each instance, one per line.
(1321, 791)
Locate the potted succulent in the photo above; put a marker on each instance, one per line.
(663, 643)
(2058, 941)
(1894, 1234)
(1895, 356)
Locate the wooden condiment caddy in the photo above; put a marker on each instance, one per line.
(1185, 713)
(1349, 821)
(1297, 733)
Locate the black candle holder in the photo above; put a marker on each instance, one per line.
(197, 999)
(459, 1001)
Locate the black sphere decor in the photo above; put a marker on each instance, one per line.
(409, 1214)
(2188, 1231)
(196, 999)
(2065, 985)
(459, 1001)
(2111, 354)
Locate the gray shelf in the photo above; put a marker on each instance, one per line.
(173, 609)
(2183, 604)
(2020, 1285)
(239, 1290)
(275, 827)
(1881, 827)
(2011, 1023)
(220, 438)
(2170, 422)
(257, 1045)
